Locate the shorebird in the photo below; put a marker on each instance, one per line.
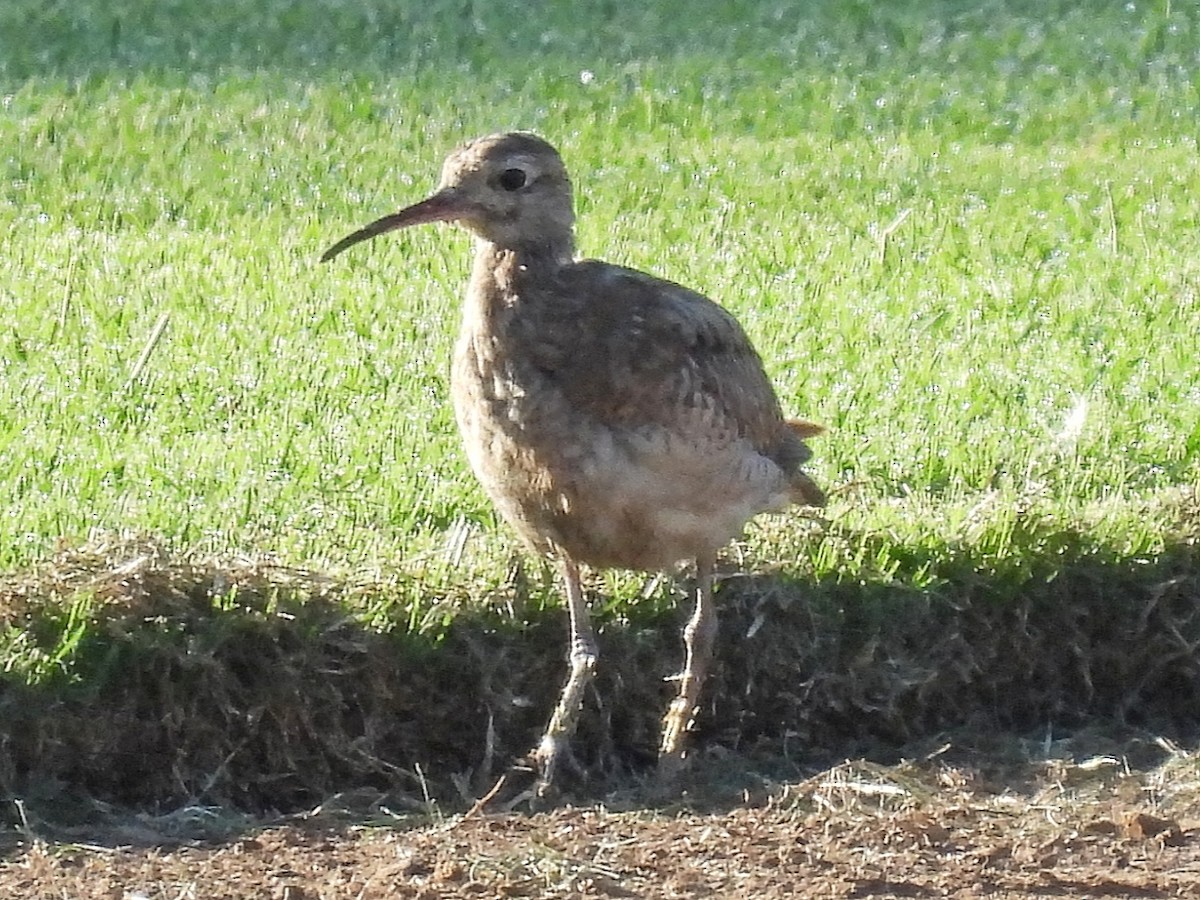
(615, 419)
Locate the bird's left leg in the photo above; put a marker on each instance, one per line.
(583, 656)
(698, 637)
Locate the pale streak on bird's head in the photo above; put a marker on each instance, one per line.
(510, 190)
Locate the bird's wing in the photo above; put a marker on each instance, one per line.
(632, 350)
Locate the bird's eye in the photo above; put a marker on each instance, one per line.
(512, 179)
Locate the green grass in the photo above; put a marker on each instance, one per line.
(1022, 350)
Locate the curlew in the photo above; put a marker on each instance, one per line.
(615, 419)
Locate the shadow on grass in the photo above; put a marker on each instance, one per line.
(387, 38)
(179, 692)
(374, 38)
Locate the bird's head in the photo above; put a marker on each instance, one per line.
(511, 190)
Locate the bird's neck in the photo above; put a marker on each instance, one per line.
(552, 247)
(503, 270)
(503, 281)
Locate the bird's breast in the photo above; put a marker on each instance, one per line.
(524, 443)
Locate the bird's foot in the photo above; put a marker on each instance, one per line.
(547, 757)
(672, 750)
(675, 726)
(522, 786)
(529, 783)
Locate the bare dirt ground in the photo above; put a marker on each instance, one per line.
(1059, 827)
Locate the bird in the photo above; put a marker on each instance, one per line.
(615, 419)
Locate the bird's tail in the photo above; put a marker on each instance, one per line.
(804, 490)
(804, 429)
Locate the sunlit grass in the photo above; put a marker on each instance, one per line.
(1024, 338)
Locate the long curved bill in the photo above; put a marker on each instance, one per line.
(444, 206)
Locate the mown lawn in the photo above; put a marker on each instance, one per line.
(963, 235)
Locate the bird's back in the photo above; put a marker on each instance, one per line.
(619, 418)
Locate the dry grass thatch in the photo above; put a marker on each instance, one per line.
(168, 683)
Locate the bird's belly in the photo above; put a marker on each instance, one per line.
(602, 495)
(658, 498)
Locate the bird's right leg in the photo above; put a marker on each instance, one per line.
(698, 637)
(583, 656)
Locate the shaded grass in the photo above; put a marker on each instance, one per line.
(166, 685)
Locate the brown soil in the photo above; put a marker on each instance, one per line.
(1055, 828)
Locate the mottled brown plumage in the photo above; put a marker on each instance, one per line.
(615, 419)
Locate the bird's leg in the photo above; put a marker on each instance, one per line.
(698, 638)
(583, 656)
